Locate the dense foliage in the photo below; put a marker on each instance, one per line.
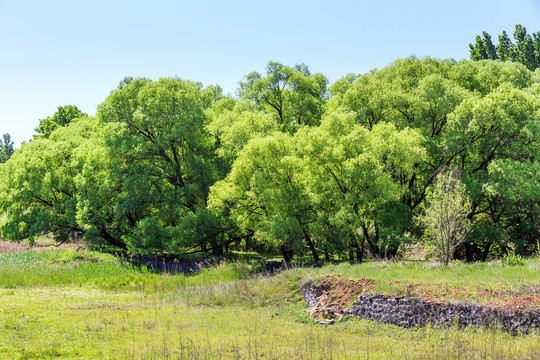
(62, 117)
(526, 50)
(290, 166)
(6, 148)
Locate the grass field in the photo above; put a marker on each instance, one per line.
(67, 304)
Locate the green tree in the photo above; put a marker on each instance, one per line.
(62, 117)
(163, 161)
(136, 178)
(293, 95)
(484, 48)
(501, 127)
(470, 113)
(171, 167)
(506, 50)
(234, 124)
(38, 192)
(319, 187)
(264, 195)
(445, 216)
(6, 148)
(352, 175)
(526, 50)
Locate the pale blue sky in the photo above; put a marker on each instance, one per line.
(75, 52)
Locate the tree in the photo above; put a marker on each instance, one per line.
(62, 117)
(170, 167)
(323, 188)
(136, 178)
(484, 48)
(264, 195)
(293, 95)
(38, 192)
(445, 216)
(163, 162)
(471, 114)
(506, 50)
(499, 128)
(235, 124)
(526, 50)
(352, 175)
(6, 148)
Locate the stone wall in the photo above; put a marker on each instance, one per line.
(414, 312)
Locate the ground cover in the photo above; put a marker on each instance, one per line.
(68, 304)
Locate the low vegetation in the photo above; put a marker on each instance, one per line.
(82, 304)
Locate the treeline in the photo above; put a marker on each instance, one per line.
(525, 50)
(6, 148)
(290, 165)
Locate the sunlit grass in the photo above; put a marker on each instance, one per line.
(88, 305)
(84, 324)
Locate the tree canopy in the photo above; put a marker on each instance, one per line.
(293, 95)
(6, 148)
(525, 50)
(289, 166)
(62, 117)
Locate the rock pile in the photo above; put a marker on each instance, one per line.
(409, 312)
(415, 312)
(310, 293)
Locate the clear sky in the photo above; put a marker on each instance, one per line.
(75, 52)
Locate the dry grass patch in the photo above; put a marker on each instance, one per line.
(11, 247)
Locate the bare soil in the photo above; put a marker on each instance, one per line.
(338, 294)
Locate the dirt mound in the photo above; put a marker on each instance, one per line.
(526, 298)
(520, 303)
(333, 296)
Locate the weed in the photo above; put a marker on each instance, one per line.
(512, 259)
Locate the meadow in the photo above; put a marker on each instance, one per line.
(69, 304)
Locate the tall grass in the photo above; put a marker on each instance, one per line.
(64, 267)
(105, 271)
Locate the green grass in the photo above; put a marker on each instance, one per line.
(475, 280)
(88, 305)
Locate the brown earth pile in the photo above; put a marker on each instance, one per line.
(334, 296)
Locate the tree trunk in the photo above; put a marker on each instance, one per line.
(309, 242)
(111, 240)
(351, 254)
(468, 252)
(326, 254)
(217, 249)
(287, 253)
(373, 246)
(359, 252)
(485, 253)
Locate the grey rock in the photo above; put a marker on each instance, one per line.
(411, 311)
